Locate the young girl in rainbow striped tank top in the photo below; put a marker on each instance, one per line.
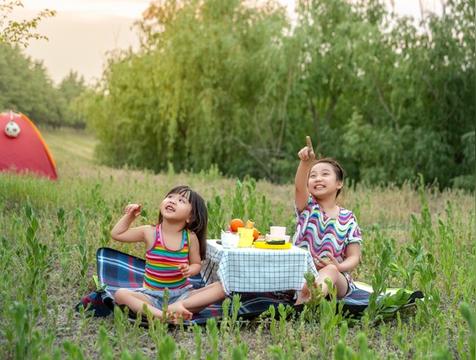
(330, 233)
(174, 249)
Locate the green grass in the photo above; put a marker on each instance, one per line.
(68, 144)
(414, 237)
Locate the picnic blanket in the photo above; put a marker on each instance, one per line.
(120, 270)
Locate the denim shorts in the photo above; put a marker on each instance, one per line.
(156, 297)
(350, 284)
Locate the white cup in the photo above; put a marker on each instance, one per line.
(277, 231)
(229, 240)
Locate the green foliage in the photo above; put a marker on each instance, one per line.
(213, 99)
(24, 84)
(105, 345)
(470, 316)
(344, 352)
(220, 82)
(19, 32)
(246, 203)
(380, 279)
(26, 87)
(213, 339)
(71, 90)
(22, 339)
(387, 97)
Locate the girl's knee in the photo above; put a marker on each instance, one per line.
(331, 270)
(121, 295)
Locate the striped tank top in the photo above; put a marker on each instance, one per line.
(162, 264)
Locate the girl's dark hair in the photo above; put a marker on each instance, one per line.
(198, 220)
(338, 169)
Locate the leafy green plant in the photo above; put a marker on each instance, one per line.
(73, 351)
(37, 263)
(240, 352)
(197, 336)
(229, 326)
(23, 340)
(330, 317)
(216, 217)
(470, 317)
(61, 228)
(446, 234)
(380, 279)
(104, 344)
(82, 244)
(238, 204)
(213, 339)
(166, 348)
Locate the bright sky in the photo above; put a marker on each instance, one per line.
(83, 31)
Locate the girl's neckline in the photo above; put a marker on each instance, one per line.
(339, 209)
(326, 216)
(162, 239)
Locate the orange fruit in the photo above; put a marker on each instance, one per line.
(250, 224)
(256, 233)
(235, 224)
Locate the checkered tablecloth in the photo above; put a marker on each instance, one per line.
(258, 270)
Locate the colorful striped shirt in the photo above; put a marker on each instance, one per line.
(322, 235)
(162, 264)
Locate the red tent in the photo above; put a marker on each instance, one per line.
(22, 147)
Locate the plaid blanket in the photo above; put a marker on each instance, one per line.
(119, 270)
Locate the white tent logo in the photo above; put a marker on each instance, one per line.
(12, 129)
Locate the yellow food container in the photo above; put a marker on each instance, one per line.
(263, 245)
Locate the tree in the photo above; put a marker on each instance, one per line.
(220, 82)
(70, 90)
(209, 86)
(19, 32)
(26, 87)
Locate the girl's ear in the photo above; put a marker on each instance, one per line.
(340, 185)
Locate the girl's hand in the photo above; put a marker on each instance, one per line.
(307, 152)
(185, 269)
(319, 263)
(326, 260)
(133, 210)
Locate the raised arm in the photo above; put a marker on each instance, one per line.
(122, 231)
(306, 156)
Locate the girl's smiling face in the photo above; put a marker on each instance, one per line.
(323, 182)
(176, 207)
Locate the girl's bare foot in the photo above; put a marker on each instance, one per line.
(303, 296)
(177, 310)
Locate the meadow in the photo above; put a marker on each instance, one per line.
(416, 237)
